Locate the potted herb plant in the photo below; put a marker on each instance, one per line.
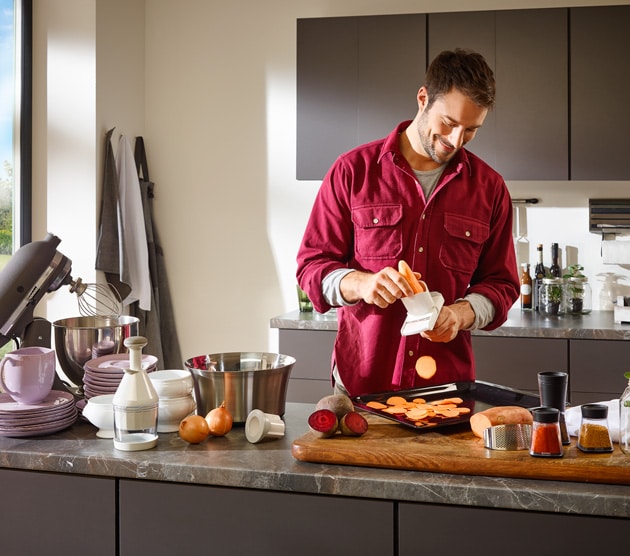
(551, 295)
(575, 288)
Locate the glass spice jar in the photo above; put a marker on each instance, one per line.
(594, 434)
(546, 439)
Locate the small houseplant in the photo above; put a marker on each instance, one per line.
(575, 288)
(551, 294)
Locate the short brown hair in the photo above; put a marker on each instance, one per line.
(464, 70)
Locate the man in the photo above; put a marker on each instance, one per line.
(416, 195)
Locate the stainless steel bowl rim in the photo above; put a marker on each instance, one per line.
(94, 322)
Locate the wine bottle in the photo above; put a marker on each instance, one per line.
(554, 269)
(539, 273)
(526, 288)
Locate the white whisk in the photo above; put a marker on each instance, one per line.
(97, 300)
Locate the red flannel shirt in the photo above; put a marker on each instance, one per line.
(370, 212)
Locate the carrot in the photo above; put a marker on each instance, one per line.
(408, 275)
(499, 415)
(426, 367)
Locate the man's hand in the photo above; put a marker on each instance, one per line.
(450, 321)
(381, 288)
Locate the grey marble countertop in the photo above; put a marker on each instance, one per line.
(597, 325)
(233, 461)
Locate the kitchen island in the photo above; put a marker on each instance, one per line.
(227, 496)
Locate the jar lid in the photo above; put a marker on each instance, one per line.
(545, 414)
(595, 411)
(553, 281)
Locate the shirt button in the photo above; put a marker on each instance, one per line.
(424, 216)
(420, 249)
(375, 220)
(410, 353)
(467, 233)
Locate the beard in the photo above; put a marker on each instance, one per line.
(431, 142)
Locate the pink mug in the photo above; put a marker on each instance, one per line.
(27, 374)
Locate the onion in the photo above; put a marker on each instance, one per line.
(194, 429)
(219, 420)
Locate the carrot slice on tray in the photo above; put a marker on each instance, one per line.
(426, 367)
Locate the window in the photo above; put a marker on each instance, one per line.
(15, 125)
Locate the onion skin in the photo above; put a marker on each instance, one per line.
(219, 420)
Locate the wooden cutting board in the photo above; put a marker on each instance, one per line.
(390, 445)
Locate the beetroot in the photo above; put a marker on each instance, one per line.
(353, 424)
(323, 422)
(340, 404)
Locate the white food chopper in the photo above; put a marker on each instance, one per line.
(135, 404)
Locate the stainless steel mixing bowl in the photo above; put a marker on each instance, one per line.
(79, 339)
(245, 380)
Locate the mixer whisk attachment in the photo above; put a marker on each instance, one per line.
(97, 300)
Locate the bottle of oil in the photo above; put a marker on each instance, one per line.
(526, 288)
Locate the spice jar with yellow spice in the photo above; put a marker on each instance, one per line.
(594, 434)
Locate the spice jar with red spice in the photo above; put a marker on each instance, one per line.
(546, 438)
(594, 434)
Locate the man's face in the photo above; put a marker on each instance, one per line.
(448, 124)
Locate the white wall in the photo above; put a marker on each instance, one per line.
(219, 122)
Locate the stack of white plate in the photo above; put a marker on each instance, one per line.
(103, 374)
(55, 412)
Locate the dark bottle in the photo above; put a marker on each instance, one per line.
(539, 273)
(554, 269)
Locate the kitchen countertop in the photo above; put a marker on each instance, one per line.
(233, 461)
(597, 325)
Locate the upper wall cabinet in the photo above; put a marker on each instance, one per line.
(562, 77)
(525, 136)
(600, 81)
(357, 77)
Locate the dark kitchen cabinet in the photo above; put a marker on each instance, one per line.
(51, 513)
(357, 77)
(600, 80)
(167, 518)
(525, 136)
(562, 77)
(514, 532)
(597, 369)
(516, 362)
(310, 376)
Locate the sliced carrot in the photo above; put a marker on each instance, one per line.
(426, 367)
(408, 275)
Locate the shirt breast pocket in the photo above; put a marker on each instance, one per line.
(378, 231)
(463, 241)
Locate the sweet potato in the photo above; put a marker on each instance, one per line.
(500, 415)
(426, 366)
(408, 274)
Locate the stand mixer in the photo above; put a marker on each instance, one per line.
(34, 270)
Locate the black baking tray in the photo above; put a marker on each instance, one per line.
(476, 395)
